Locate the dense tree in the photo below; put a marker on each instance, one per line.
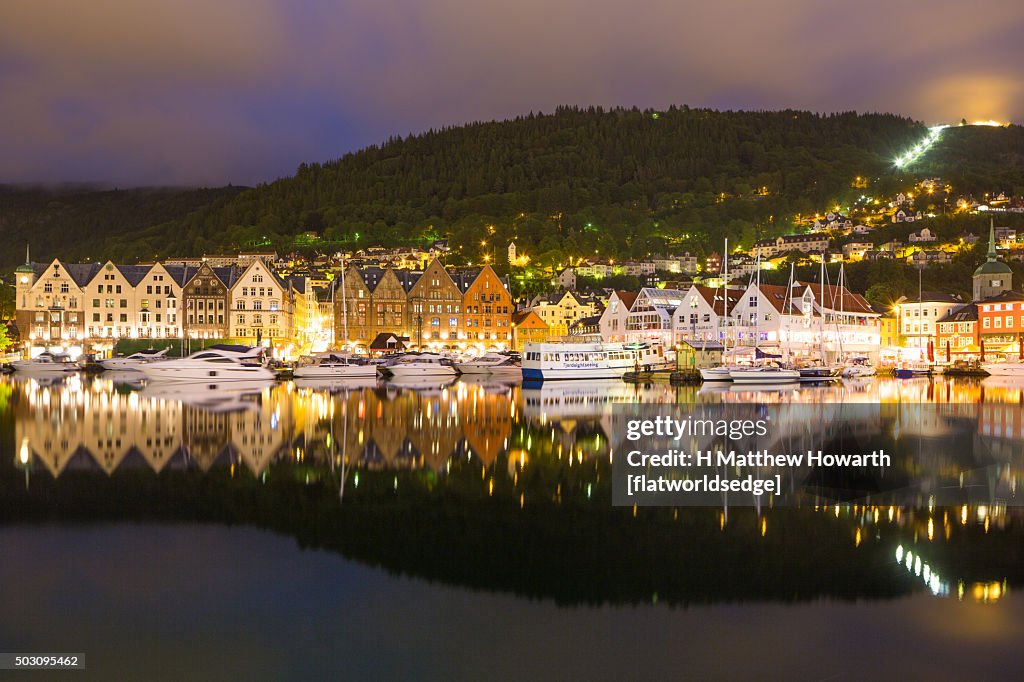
(581, 182)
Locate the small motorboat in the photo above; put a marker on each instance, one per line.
(913, 369)
(421, 365)
(859, 367)
(333, 366)
(721, 373)
(492, 363)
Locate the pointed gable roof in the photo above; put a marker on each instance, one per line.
(628, 298)
(228, 275)
(180, 273)
(835, 297)
(133, 273)
(777, 295)
(965, 313)
(82, 273)
(521, 316)
(464, 277)
(715, 297)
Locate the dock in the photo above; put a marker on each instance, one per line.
(664, 376)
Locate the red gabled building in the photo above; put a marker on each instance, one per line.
(1001, 322)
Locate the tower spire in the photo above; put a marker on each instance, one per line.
(28, 260)
(992, 239)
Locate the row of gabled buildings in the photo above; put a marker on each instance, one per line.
(88, 307)
(799, 320)
(437, 309)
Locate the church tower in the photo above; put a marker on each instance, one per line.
(24, 278)
(992, 277)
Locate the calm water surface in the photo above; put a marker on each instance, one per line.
(466, 531)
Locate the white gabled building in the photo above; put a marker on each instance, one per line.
(650, 316)
(260, 305)
(131, 302)
(50, 305)
(613, 319)
(802, 320)
(701, 315)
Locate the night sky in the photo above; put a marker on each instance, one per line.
(242, 91)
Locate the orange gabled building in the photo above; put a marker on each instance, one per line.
(527, 327)
(487, 307)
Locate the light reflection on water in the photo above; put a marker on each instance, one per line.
(419, 423)
(534, 449)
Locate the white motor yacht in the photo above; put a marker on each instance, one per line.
(333, 365)
(134, 361)
(421, 365)
(46, 363)
(1004, 369)
(213, 365)
(492, 363)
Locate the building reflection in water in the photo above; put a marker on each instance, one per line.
(506, 431)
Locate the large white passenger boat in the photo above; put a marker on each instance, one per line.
(134, 361)
(333, 365)
(213, 365)
(545, 361)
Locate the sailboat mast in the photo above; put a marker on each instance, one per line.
(757, 315)
(344, 304)
(725, 288)
(821, 309)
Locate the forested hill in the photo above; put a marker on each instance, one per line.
(621, 181)
(978, 159)
(84, 222)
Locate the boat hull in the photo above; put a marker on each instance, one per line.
(346, 372)
(819, 374)
(30, 367)
(764, 376)
(171, 371)
(715, 374)
(402, 371)
(567, 373)
(470, 368)
(1004, 369)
